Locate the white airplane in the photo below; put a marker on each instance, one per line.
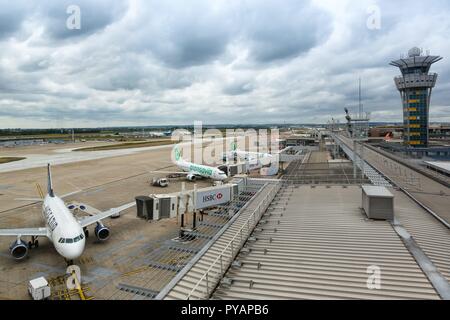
(194, 171)
(67, 232)
(156, 134)
(264, 158)
(160, 133)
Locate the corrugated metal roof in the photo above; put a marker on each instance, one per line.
(315, 243)
(182, 288)
(431, 235)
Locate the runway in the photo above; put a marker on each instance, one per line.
(67, 155)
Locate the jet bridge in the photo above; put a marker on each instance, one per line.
(161, 206)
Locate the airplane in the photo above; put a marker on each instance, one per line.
(67, 232)
(264, 158)
(194, 171)
(388, 136)
(167, 133)
(156, 134)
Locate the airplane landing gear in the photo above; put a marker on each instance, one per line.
(69, 262)
(34, 243)
(86, 232)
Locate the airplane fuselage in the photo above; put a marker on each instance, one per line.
(202, 170)
(64, 231)
(248, 155)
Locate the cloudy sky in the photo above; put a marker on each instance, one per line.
(250, 61)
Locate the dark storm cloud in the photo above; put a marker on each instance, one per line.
(12, 14)
(199, 45)
(52, 15)
(35, 65)
(238, 88)
(198, 33)
(276, 31)
(95, 16)
(182, 35)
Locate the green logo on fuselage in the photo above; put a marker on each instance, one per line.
(200, 170)
(177, 154)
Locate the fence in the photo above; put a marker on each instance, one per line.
(212, 276)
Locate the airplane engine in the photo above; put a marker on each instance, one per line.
(101, 232)
(18, 249)
(191, 177)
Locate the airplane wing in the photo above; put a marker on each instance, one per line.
(84, 222)
(29, 199)
(41, 200)
(83, 207)
(24, 232)
(179, 172)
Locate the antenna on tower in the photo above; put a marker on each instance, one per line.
(360, 109)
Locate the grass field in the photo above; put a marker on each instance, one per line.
(10, 159)
(128, 145)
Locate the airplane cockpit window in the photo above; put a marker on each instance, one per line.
(69, 240)
(80, 237)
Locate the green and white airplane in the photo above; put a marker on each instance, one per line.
(194, 171)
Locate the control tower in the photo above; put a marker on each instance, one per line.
(415, 85)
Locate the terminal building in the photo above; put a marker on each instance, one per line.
(415, 86)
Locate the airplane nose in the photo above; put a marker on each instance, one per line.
(74, 250)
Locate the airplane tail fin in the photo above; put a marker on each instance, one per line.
(177, 154)
(387, 137)
(49, 181)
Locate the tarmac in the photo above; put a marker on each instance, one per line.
(104, 182)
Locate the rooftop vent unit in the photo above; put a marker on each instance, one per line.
(378, 203)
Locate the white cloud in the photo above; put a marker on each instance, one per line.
(151, 62)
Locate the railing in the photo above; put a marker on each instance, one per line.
(231, 249)
(372, 174)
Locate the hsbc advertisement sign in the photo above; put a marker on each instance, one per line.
(209, 197)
